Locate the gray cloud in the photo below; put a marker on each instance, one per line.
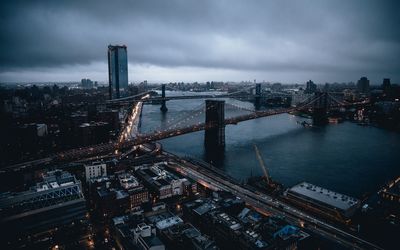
(281, 40)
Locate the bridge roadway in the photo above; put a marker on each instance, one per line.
(114, 147)
(131, 98)
(131, 128)
(156, 136)
(267, 205)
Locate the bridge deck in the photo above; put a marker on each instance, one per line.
(111, 147)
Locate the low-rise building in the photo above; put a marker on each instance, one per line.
(163, 183)
(146, 239)
(127, 181)
(185, 236)
(133, 233)
(327, 201)
(95, 170)
(168, 222)
(137, 196)
(55, 201)
(118, 194)
(246, 229)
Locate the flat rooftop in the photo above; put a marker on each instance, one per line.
(204, 208)
(161, 182)
(229, 221)
(153, 241)
(169, 222)
(323, 195)
(51, 180)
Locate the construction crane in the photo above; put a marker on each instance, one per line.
(262, 165)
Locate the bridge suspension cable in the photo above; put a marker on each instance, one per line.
(175, 122)
(190, 116)
(343, 103)
(239, 107)
(307, 103)
(244, 89)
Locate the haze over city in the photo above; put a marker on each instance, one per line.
(275, 41)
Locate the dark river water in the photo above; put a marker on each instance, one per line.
(344, 157)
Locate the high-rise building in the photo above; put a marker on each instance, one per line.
(311, 87)
(363, 85)
(117, 70)
(386, 84)
(86, 83)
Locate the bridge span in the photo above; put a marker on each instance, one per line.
(158, 135)
(116, 147)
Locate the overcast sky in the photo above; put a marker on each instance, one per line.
(197, 40)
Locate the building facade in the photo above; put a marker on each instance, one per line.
(324, 200)
(311, 87)
(117, 70)
(363, 85)
(95, 170)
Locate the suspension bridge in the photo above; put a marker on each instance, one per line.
(242, 93)
(214, 126)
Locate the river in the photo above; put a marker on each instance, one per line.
(343, 157)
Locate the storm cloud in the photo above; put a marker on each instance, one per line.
(189, 40)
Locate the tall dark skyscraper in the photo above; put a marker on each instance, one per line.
(363, 85)
(117, 70)
(386, 84)
(311, 87)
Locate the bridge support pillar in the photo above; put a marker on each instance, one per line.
(215, 118)
(320, 110)
(257, 100)
(163, 102)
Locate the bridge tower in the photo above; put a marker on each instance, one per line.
(257, 100)
(215, 117)
(320, 109)
(163, 102)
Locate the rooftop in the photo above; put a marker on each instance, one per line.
(52, 183)
(255, 238)
(121, 194)
(289, 231)
(206, 207)
(161, 182)
(191, 232)
(128, 181)
(103, 192)
(161, 225)
(159, 216)
(325, 196)
(152, 241)
(229, 221)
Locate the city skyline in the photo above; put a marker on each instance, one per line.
(277, 42)
(213, 125)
